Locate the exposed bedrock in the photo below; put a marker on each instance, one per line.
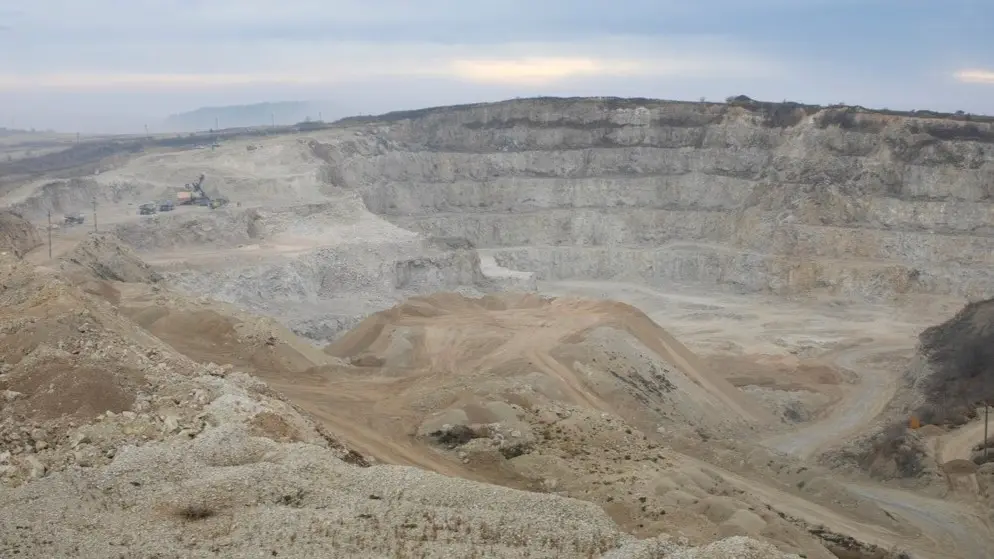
(320, 268)
(853, 203)
(323, 292)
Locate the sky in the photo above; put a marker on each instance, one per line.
(115, 65)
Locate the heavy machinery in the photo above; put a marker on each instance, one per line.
(147, 208)
(193, 194)
(218, 202)
(74, 219)
(166, 206)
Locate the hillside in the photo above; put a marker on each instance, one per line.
(238, 116)
(960, 354)
(17, 235)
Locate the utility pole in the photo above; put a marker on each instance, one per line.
(94, 215)
(215, 124)
(49, 234)
(320, 117)
(987, 415)
(146, 131)
(272, 119)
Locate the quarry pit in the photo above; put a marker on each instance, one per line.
(796, 261)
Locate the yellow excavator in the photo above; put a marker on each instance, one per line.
(193, 194)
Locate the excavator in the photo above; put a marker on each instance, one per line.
(193, 194)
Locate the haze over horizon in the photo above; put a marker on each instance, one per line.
(104, 66)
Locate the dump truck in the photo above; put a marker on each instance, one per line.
(74, 219)
(166, 206)
(147, 208)
(218, 202)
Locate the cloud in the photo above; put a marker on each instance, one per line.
(449, 21)
(542, 70)
(153, 65)
(156, 56)
(975, 76)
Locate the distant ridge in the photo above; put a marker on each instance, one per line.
(238, 116)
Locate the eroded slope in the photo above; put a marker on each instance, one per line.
(17, 235)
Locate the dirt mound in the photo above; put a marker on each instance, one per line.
(105, 257)
(17, 235)
(604, 355)
(64, 359)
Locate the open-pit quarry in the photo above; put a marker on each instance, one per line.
(667, 329)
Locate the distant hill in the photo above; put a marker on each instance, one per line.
(20, 132)
(237, 116)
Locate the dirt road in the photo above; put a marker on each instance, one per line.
(952, 529)
(960, 442)
(862, 402)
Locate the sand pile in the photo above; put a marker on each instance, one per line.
(603, 355)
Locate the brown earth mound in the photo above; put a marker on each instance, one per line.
(602, 355)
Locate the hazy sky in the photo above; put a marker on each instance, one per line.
(116, 64)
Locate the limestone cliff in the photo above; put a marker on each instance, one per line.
(752, 196)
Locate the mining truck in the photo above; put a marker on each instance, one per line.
(218, 202)
(147, 208)
(74, 219)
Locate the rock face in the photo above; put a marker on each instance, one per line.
(756, 197)
(17, 235)
(956, 365)
(104, 256)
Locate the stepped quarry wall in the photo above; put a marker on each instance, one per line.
(787, 199)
